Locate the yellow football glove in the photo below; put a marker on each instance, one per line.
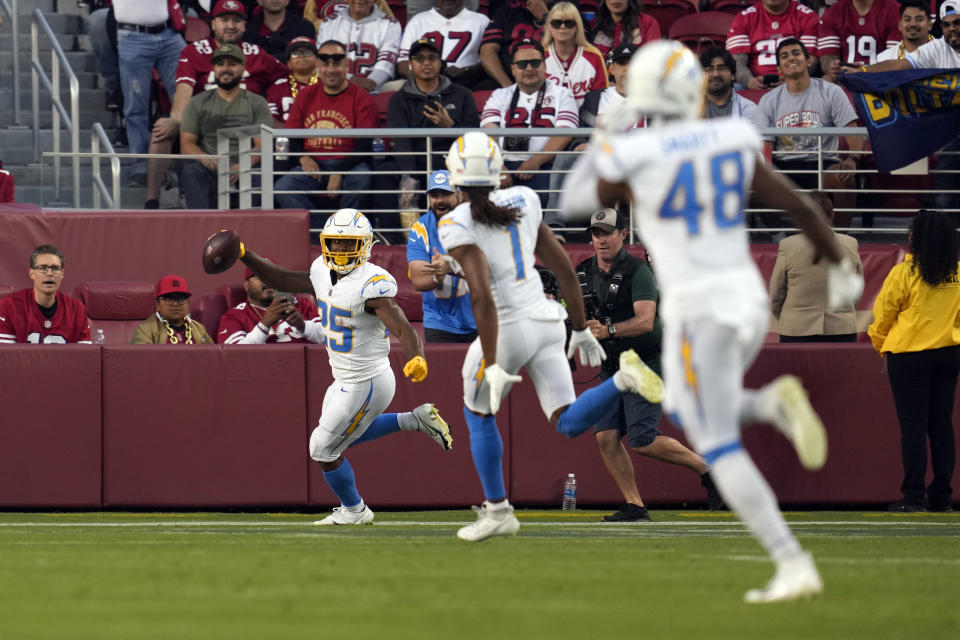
(416, 369)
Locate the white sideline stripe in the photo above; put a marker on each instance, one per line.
(824, 559)
(307, 522)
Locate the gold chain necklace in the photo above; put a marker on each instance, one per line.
(174, 338)
(295, 84)
(900, 50)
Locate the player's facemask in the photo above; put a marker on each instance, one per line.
(347, 259)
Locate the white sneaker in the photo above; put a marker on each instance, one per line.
(640, 378)
(430, 423)
(490, 523)
(342, 515)
(795, 579)
(796, 419)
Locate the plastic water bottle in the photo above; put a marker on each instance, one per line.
(99, 338)
(570, 493)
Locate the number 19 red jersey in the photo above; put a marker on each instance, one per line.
(858, 39)
(21, 320)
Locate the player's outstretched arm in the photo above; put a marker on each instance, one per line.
(477, 273)
(275, 276)
(392, 317)
(777, 192)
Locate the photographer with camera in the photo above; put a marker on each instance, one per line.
(620, 299)
(531, 102)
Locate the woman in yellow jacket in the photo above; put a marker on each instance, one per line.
(915, 327)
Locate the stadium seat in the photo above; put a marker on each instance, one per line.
(701, 30)
(666, 12)
(116, 307)
(232, 294)
(206, 310)
(733, 7)
(753, 95)
(381, 100)
(480, 97)
(197, 29)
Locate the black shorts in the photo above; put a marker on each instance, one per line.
(632, 415)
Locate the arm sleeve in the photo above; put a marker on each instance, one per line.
(186, 71)
(643, 286)
(568, 115)
(417, 248)
(410, 35)
(809, 31)
(231, 331)
(190, 122)
(738, 37)
(828, 42)
(386, 64)
(261, 113)
(495, 107)
(840, 107)
(778, 283)
(886, 307)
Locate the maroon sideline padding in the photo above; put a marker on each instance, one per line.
(146, 245)
(50, 426)
(204, 426)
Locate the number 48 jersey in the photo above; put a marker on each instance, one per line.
(690, 181)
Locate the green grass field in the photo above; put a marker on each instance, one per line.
(230, 575)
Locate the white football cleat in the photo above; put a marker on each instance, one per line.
(795, 418)
(640, 378)
(342, 515)
(430, 423)
(490, 523)
(795, 579)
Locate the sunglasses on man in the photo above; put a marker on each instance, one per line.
(335, 58)
(523, 64)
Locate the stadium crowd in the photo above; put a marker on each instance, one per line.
(476, 47)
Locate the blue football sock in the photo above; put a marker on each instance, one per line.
(384, 424)
(343, 484)
(487, 450)
(588, 408)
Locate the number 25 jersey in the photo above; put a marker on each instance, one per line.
(356, 340)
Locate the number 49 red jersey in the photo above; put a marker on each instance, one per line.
(757, 33)
(196, 67)
(21, 320)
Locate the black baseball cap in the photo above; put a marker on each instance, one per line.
(621, 53)
(424, 43)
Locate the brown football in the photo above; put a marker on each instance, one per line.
(221, 251)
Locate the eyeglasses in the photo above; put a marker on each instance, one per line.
(48, 268)
(716, 68)
(336, 58)
(523, 64)
(563, 24)
(180, 299)
(425, 59)
(302, 53)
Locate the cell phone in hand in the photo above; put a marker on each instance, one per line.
(285, 295)
(770, 79)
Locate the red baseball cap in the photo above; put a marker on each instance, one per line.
(229, 6)
(171, 284)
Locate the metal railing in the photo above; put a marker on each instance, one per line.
(13, 13)
(97, 137)
(58, 63)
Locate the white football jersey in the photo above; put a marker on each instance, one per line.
(458, 37)
(514, 282)
(690, 182)
(356, 340)
(558, 108)
(372, 43)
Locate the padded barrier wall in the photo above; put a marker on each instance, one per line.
(145, 245)
(213, 426)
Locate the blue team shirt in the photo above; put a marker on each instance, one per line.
(447, 308)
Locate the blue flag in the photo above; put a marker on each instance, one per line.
(908, 114)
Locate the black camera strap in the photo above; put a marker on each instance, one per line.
(513, 105)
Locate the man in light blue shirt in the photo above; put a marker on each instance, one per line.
(447, 315)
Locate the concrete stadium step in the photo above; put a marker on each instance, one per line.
(59, 22)
(26, 7)
(88, 99)
(86, 79)
(16, 142)
(45, 197)
(79, 60)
